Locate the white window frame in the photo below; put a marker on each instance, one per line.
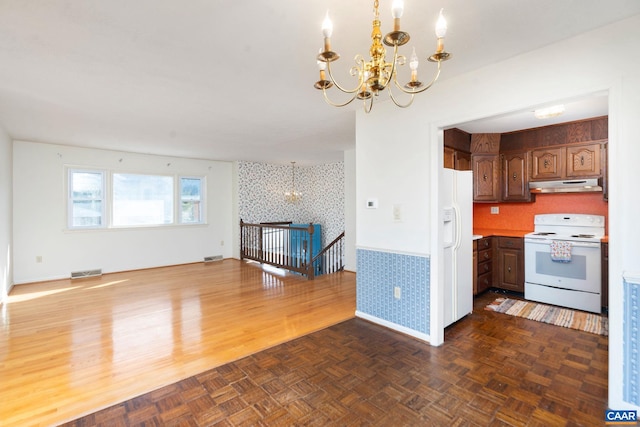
(71, 200)
(107, 200)
(203, 199)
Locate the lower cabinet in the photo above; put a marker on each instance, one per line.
(484, 279)
(509, 263)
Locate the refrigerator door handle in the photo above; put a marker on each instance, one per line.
(457, 227)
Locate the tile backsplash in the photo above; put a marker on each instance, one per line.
(519, 216)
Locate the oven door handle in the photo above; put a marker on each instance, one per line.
(573, 243)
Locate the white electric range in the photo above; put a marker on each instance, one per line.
(563, 261)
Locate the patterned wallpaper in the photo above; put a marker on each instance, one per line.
(631, 342)
(379, 272)
(261, 188)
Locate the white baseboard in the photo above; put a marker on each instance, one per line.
(398, 328)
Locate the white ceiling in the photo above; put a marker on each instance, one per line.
(233, 79)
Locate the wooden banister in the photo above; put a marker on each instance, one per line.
(270, 243)
(332, 256)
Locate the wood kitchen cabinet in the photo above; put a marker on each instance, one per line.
(583, 161)
(547, 164)
(458, 160)
(486, 184)
(484, 265)
(475, 268)
(510, 263)
(456, 150)
(515, 177)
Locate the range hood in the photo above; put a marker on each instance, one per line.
(566, 186)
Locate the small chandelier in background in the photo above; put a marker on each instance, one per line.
(376, 74)
(293, 196)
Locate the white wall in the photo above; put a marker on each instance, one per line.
(397, 152)
(39, 211)
(5, 215)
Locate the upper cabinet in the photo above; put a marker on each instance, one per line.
(583, 161)
(456, 150)
(486, 177)
(547, 164)
(515, 177)
(503, 164)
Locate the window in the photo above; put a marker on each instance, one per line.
(133, 200)
(86, 199)
(142, 200)
(191, 200)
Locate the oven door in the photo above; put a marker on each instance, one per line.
(582, 273)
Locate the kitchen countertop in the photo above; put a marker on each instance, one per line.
(488, 232)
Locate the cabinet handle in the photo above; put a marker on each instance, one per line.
(486, 256)
(582, 160)
(546, 163)
(509, 269)
(515, 176)
(484, 177)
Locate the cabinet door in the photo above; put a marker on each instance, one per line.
(475, 268)
(547, 163)
(511, 270)
(462, 161)
(449, 156)
(583, 161)
(485, 178)
(515, 182)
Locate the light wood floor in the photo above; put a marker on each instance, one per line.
(69, 348)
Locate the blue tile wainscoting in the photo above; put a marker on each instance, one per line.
(631, 340)
(379, 273)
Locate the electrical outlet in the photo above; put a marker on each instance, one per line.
(397, 292)
(39, 258)
(495, 210)
(221, 242)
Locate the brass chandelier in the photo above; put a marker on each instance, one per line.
(377, 74)
(293, 196)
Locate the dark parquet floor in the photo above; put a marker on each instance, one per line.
(492, 370)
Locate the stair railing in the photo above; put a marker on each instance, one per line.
(270, 243)
(332, 256)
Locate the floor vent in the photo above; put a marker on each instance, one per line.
(213, 258)
(86, 273)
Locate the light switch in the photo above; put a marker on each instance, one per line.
(397, 213)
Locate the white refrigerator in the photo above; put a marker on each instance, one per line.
(457, 213)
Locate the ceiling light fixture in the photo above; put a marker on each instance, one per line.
(377, 74)
(293, 196)
(546, 113)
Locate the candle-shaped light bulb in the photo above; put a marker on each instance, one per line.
(413, 64)
(397, 8)
(327, 26)
(441, 26)
(413, 61)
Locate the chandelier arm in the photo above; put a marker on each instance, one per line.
(360, 79)
(334, 104)
(422, 89)
(367, 108)
(393, 98)
(394, 66)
